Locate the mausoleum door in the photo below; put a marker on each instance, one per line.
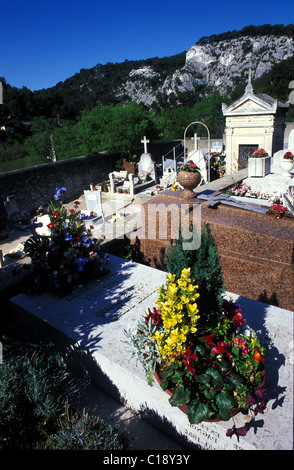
(245, 151)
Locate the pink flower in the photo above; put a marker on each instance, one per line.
(241, 343)
(222, 347)
(238, 318)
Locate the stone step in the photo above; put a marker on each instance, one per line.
(88, 328)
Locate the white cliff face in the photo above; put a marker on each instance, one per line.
(221, 63)
(217, 64)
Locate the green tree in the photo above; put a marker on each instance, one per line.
(205, 269)
(114, 128)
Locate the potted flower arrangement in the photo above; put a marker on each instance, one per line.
(189, 178)
(287, 163)
(279, 211)
(202, 352)
(210, 371)
(68, 255)
(259, 164)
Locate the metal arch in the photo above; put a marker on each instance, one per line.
(196, 122)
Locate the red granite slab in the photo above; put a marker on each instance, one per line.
(256, 250)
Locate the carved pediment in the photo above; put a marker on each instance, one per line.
(249, 107)
(250, 104)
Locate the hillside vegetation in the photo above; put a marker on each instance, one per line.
(112, 106)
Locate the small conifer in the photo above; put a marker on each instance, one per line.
(205, 269)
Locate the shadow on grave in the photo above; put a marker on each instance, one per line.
(256, 314)
(79, 358)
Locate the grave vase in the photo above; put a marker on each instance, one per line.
(287, 166)
(259, 166)
(189, 180)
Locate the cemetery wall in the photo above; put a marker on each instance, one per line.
(35, 186)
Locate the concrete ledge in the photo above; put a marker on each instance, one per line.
(88, 327)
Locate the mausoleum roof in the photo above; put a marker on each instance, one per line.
(254, 103)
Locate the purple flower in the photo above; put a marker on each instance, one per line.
(58, 192)
(260, 393)
(250, 400)
(260, 408)
(34, 226)
(81, 263)
(67, 237)
(87, 241)
(242, 431)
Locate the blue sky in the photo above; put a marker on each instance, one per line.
(44, 42)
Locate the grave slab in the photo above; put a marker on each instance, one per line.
(88, 326)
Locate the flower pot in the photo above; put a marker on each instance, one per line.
(189, 180)
(184, 407)
(287, 166)
(259, 166)
(211, 420)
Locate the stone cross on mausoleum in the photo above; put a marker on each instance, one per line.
(249, 87)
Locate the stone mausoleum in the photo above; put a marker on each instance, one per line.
(253, 121)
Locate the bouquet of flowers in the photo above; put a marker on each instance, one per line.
(260, 153)
(68, 255)
(190, 166)
(211, 367)
(288, 156)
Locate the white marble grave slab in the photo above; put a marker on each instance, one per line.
(93, 318)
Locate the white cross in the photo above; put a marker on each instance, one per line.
(249, 72)
(249, 87)
(195, 138)
(145, 142)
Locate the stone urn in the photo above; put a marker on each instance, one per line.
(189, 180)
(287, 166)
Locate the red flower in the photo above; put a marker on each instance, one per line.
(155, 316)
(188, 361)
(92, 227)
(222, 347)
(51, 225)
(77, 202)
(56, 213)
(279, 208)
(209, 339)
(72, 211)
(238, 318)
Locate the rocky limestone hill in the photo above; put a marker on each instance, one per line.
(217, 65)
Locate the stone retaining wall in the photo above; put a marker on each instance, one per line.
(35, 186)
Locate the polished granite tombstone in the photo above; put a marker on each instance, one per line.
(256, 249)
(87, 328)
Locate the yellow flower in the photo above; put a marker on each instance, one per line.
(172, 289)
(186, 273)
(192, 309)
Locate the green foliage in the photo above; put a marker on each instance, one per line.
(144, 346)
(251, 31)
(84, 431)
(34, 391)
(205, 269)
(114, 128)
(31, 386)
